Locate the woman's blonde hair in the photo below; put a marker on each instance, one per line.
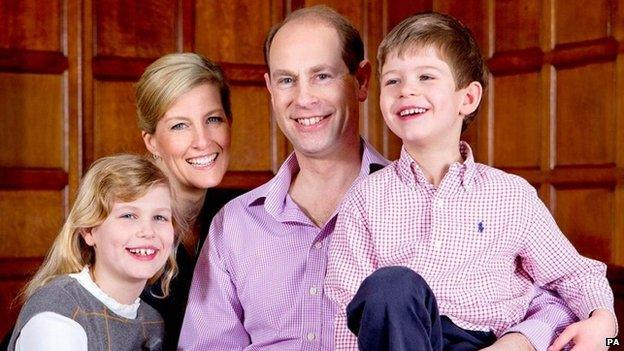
(169, 77)
(111, 179)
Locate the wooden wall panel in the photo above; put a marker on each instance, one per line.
(115, 128)
(22, 236)
(576, 21)
(144, 28)
(554, 113)
(351, 9)
(517, 24)
(585, 216)
(516, 124)
(585, 115)
(32, 114)
(251, 130)
(8, 291)
(232, 31)
(31, 24)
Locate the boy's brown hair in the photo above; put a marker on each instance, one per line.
(453, 42)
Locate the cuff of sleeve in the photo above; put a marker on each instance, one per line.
(540, 334)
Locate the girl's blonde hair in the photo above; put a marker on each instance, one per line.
(111, 179)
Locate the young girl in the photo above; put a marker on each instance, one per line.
(119, 236)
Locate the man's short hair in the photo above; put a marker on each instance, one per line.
(352, 45)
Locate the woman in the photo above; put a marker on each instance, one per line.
(183, 110)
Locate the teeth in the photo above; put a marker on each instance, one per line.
(310, 121)
(412, 111)
(202, 161)
(142, 252)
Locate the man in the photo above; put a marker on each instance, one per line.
(258, 281)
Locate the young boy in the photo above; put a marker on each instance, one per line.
(476, 240)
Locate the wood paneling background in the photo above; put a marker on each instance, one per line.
(554, 112)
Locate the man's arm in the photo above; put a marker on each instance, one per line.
(351, 260)
(214, 315)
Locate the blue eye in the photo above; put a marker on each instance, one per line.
(323, 76)
(214, 119)
(285, 80)
(178, 126)
(128, 216)
(161, 218)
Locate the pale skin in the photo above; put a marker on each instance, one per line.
(326, 172)
(193, 127)
(309, 79)
(433, 143)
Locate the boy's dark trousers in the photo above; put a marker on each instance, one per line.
(394, 309)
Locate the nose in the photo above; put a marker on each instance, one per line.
(201, 138)
(305, 95)
(146, 231)
(409, 88)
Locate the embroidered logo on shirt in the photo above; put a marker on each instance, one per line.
(480, 227)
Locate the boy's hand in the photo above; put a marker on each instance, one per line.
(511, 342)
(588, 334)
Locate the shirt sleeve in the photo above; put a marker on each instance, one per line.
(546, 318)
(49, 331)
(214, 315)
(351, 259)
(552, 261)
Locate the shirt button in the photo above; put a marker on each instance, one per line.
(318, 244)
(439, 203)
(437, 245)
(311, 336)
(313, 290)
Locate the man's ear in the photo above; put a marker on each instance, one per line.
(363, 75)
(267, 82)
(471, 97)
(150, 143)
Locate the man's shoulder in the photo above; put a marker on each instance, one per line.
(376, 185)
(247, 199)
(380, 179)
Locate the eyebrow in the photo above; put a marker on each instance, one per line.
(319, 68)
(209, 113)
(417, 67)
(282, 72)
(135, 208)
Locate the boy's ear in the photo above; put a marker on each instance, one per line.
(150, 143)
(363, 75)
(472, 95)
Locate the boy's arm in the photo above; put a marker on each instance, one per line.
(554, 263)
(351, 260)
(547, 317)
(214, 315)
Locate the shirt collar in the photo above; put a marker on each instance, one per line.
(410, 172)
(274, 194)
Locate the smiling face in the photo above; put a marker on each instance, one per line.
(315, 99)
(134, 241)
(419, 99)
(193, 140)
